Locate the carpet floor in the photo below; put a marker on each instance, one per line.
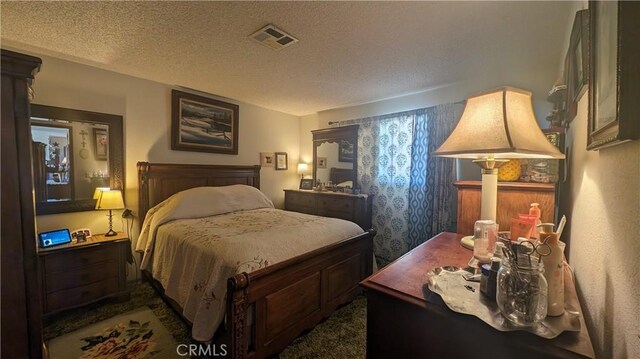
(343, 335)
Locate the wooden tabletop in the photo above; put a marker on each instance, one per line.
(94, 240)
(406, 277)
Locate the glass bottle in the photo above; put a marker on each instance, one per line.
(522, 292)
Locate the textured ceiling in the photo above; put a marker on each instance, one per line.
(349, 52)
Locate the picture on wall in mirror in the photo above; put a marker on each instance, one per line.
(101, 144)
(345, 153)
(281, 160)
(322, 162)
(203, 124)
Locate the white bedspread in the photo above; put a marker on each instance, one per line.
(193, 258)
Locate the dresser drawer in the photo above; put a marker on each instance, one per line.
(332, 204)
(56, 281)
(81, 295)
(79, 258)
(300, 200)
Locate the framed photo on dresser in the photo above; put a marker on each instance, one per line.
(306, 183)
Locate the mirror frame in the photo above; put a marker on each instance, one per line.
(336, 134)
(116, 153)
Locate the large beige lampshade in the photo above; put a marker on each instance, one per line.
(498, 123)
(110, 200)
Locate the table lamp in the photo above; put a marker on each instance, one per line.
(495, 126)
(302, 169)
(110, 200)
(96, 193)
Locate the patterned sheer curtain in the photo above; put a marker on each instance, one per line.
(395, 166)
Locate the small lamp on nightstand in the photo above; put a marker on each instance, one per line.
(496, 126)
(302, 169)
(96, 193)
(110, 200)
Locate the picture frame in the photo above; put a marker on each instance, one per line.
(306, 183)
(322, 162)
(281, 161)
(267, 159)
(577, 69)
(614, 74)
(100, 143)
(203, 124)
(345, 151)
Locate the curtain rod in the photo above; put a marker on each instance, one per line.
(452, 103)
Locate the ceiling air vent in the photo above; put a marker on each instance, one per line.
(273, 37)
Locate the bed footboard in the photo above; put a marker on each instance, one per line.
(293, 296)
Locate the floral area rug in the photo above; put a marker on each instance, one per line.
(137, 334)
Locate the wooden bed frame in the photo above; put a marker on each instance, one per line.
(284, 299)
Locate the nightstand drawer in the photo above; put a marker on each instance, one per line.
(81, 295)
(80, 276)
(79, 258)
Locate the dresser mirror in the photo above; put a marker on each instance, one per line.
(335, 156)
(73, 153)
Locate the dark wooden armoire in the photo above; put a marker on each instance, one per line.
(21, 309)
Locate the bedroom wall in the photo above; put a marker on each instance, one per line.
(146, 109)
(603, 210)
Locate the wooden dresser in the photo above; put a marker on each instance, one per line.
(80, 273)
(354, 208)
(513, 198)
(406, 320)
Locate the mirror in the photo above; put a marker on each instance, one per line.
(73, 153)
(335, 156)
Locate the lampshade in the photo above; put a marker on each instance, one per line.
(96, 193)
(110, 200)
(302, 168)
(498, 123)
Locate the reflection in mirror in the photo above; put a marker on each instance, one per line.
(71, 159)
(335, 154)
(74, 152)
(332, 166)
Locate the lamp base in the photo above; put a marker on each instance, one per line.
(111, 233)
(467, 242)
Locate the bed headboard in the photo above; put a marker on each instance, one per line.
(339, 175)
(158, 181)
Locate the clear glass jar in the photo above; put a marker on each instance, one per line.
(522, 293)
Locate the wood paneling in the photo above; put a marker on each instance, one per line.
(513, 198)
(291, 304)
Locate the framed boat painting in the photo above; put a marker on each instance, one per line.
(203, 124)
(614, 81)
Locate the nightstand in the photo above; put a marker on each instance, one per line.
(76, 274)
